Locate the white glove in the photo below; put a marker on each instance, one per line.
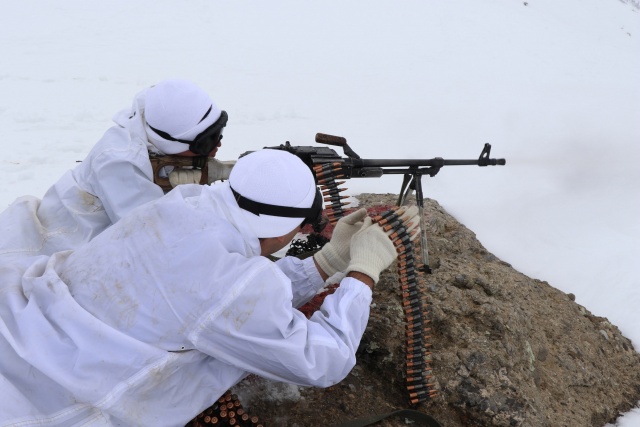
(219, 170)
(335, 255)
(372, 250)
(180, 176)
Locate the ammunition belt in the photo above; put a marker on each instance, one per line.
(326, 175)
(418, 370)
(227, 411)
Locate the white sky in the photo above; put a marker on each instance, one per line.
(551, 85)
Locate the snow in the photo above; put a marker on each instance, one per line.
(551, 85)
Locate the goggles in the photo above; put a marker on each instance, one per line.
(206, 141)
(312, 215)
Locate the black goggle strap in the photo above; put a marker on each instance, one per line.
(310, 215)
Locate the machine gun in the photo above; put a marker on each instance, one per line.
(327, 166)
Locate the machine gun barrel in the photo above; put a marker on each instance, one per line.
(416, 163)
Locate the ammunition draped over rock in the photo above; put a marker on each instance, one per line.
(226, 412)
(414, 304)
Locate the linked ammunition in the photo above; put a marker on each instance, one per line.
(327, 166)
(414, 301)
(409, 294)
(415, 371)
(335, 199)
(333, 190)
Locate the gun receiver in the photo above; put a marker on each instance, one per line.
(327, 164)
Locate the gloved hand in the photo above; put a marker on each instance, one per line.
(371, 248)
(219, 170)
(335, 255)
(180, 176)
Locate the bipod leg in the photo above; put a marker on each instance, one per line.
(405, 190)
(417, 185)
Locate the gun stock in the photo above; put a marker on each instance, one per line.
(161, 178)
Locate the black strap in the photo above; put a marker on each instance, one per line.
(258, 208)
(420, 417)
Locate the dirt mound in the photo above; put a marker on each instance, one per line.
(508, 350)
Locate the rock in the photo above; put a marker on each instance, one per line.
(508, 350)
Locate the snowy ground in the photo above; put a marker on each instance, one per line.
(551, 85)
